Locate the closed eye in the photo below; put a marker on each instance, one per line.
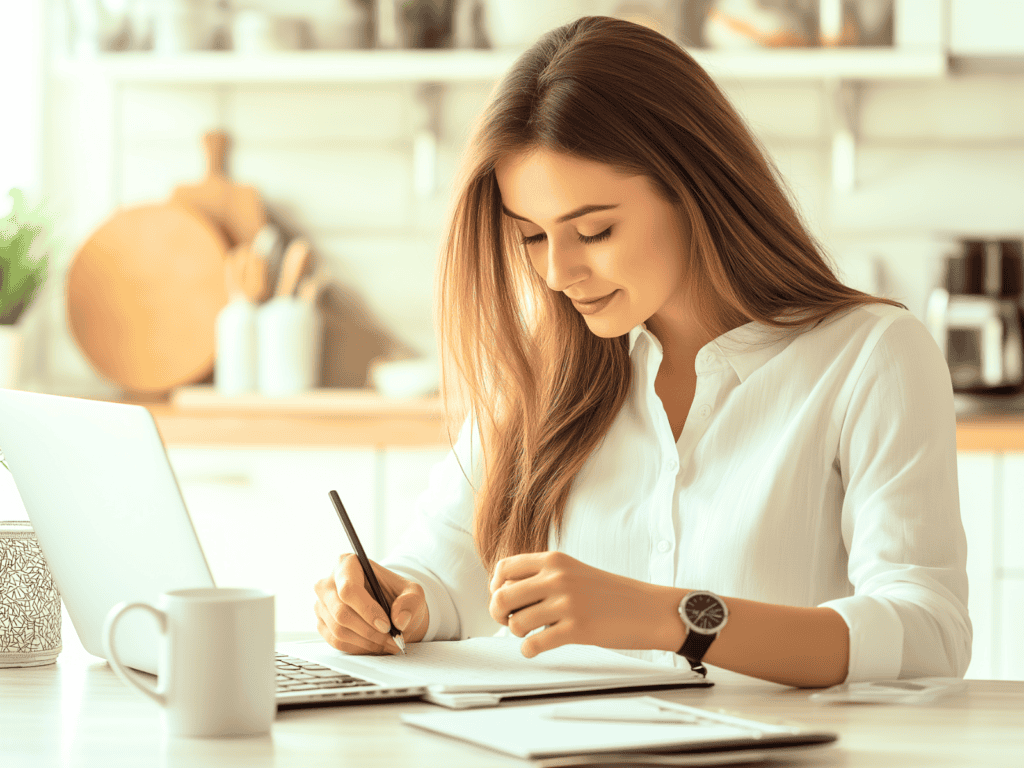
(532, 239)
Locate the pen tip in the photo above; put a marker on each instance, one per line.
(400, 642)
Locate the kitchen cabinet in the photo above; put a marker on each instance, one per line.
(264, 519)
(977, 477)
(405, 473)
(992, 507)
(1008, 565)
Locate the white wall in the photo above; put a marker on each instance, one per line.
(22, 94)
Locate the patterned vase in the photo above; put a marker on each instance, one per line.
(30, 613)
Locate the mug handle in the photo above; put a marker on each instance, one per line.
(108, 644)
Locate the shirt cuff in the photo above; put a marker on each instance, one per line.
(443, 619)
(876, 637)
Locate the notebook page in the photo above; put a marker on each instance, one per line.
(531, 732)
(496, 664)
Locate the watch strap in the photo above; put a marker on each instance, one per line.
(694, 648)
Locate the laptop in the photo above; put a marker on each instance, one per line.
(112, 524)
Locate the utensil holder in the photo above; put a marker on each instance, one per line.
(288, 333)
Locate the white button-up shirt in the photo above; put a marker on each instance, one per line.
(813, 469)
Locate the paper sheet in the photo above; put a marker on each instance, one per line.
(496, 664)
(531, 731)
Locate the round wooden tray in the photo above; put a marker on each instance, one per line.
(143, 293)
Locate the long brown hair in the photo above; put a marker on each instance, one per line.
(541, 388)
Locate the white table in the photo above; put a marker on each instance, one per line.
(76, 713)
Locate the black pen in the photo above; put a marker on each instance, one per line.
(371, 577)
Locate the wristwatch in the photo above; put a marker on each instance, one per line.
(703, 614)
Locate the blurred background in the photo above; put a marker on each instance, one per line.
(231, 210)
(897, 123)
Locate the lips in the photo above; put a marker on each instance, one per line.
(594, 305)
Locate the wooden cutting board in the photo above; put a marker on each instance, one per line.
(143, 293)
(237, 209)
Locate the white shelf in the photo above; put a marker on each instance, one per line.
(482, 66)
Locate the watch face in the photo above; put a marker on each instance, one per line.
(704, 611)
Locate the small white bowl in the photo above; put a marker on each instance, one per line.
(416, 377)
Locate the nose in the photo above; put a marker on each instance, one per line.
(563, 266)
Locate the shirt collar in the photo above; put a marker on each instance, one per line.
(745, 348)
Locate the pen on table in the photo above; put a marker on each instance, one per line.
(371, 577)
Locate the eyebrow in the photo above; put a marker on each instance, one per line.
(581, 211)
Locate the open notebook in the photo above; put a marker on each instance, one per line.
(483, 670)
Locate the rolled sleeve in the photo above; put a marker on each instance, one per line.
(901, 514)
(438, 551)
(876, 637)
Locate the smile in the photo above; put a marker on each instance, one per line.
(592, 307)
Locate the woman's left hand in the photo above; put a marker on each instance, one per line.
(580, 604)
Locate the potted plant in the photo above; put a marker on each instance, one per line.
(23, 269)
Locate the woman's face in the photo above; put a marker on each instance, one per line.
(609, 242)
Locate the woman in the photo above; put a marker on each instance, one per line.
(687, 439)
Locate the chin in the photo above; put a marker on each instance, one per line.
(607, 328)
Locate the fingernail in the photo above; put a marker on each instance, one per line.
(402, 620)
(381, 625)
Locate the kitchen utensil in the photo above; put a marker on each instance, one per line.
(293, 265)
(516, 24)
(237, 209)
(182, 25)
(426, 23)
(738, 24)
(976, 316)
(345, 25)
(246, 274)
(310, 287)
(143, 293)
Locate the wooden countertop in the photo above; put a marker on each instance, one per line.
(324, 417)
(362, 417)
(993, 432)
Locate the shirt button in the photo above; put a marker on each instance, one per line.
(672, 465)
(704, 411)
(708, 357)
(664, 545)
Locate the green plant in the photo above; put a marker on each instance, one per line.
(23, 260)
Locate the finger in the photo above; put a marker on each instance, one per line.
(542, 614)
(516, 596)
(409, 609)
(337, 629)
(547, 639)
(516, 567)
(344, 638)
(353, 592)
(347, 641)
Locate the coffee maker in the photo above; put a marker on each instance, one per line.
(976, 316)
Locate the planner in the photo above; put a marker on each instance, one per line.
(621, 726)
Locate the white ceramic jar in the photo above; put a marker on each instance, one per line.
(289, 333)
(516, 24)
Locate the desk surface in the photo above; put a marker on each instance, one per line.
(77, 713)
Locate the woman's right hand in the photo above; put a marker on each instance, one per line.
(349, 619)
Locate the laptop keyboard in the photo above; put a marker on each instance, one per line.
(296, 675)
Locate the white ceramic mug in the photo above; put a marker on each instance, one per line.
(216, 663)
